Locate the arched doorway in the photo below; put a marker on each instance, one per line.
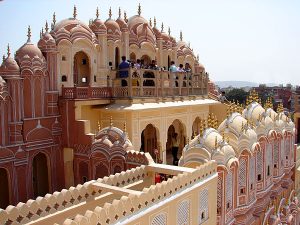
(81, 69)
(145, 60)
(196, 127)
(40, 176)
(178, 128)
(149, 140)
(132, 57)
(117, 57)
(4, 189)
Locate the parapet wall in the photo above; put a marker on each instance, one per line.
(38, 209)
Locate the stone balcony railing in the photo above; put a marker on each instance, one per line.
(142, 83)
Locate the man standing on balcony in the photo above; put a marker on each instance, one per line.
(123, 70)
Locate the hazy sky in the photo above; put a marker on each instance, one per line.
(250, 40)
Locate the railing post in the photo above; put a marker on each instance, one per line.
(89, 93)
(180, 82)
(142, 83)
(129, 80)
(156, 82)
(75, 91)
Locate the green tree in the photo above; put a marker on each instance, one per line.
(237, 94)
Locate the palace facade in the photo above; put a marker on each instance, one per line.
(69, 120)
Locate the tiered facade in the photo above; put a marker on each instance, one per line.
(255, 151)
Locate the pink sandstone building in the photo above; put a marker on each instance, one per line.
(69, 126)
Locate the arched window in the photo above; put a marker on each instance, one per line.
(81, 69)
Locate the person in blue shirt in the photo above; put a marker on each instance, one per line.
(123, 68)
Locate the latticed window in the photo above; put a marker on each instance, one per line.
(183, 213)
(229, 190)
(242, 175)
(203, 206)
(276, 154)
(282, 157)
(259, 165)
(287, 147)
(160, 219)
(269, 159)
(219, 193)
(252, 172)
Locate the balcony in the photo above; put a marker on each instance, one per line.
(143, 83)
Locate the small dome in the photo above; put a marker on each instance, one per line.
(157, 33)
(113, 30)
(46, 42)
(68, 24)
(30, 50)
(9, 66)
(145, 33)
(111, 25)
(135, 21)
(122, 24)
(98, 27)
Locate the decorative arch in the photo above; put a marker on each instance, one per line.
(149, 140)
(101, 170)
(132, 57)
(177, 127)
(81, 69)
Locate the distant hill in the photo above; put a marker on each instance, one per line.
(239, 84)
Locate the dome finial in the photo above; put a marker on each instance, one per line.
(162, 27)
(99, 126)
(8, 51)
(119, 12)
(74, 12)
(125, 128)
(181, 36)
(109, 13)
(139, 9)
(97, 13)
(54, 18)
(3, 58)
(46, 27)
(125, 17)
(150, 22)
(41, 34)
(198, 57)
(42, 30)
(111, 121)
(169, 31)
(154, 21)
(29, 34)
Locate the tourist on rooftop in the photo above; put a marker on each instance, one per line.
(180, 68)
(222, 97)
(124, 68)
(153, 65)
(138, 64)
(173, 67)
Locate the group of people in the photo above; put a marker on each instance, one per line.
(125, 65)
(173, 68)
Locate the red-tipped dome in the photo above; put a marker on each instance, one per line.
(47, 42)
(145, 33)
(28, 50)
(9, 67)
(98, 27)
(122, 24)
